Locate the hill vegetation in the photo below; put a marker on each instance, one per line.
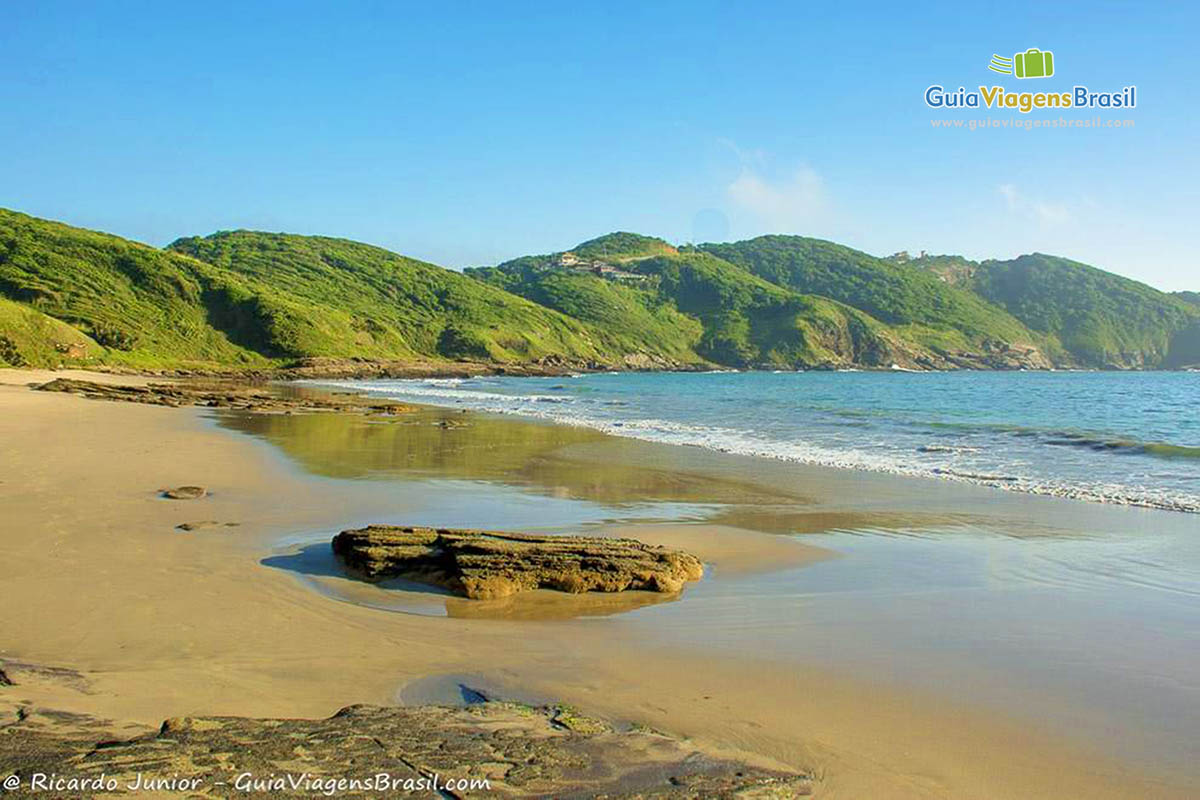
(373, 303)
(696, 307)
(943, 317)
(245, 299)
(137, 305)
(623, 246)
(628, 319)
(30, 338)
(1188, 297)
(1101, 319)
(748, 321)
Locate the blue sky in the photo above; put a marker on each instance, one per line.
(467, 133)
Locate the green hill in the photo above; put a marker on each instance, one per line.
(947, 319)
(1102, 319)
(696, 307)
(625, 318)
(749, 321)
(623, 246)
(252, 300)
(244, 299)
(376, 304)
(1188, 297)
(29, 338)
(140, 305)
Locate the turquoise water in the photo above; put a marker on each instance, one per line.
(1126, 438)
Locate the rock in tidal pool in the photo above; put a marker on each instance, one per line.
(488, 564)
(184, 493)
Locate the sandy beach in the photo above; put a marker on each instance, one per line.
(108, 609)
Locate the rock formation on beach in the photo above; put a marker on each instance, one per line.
(489, 564)
(231, 394)
(520, 751)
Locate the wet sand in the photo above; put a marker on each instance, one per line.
(145, 621)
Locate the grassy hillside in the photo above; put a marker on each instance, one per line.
(29, 338)
(624, 318)
(927, 310)
(1188, 297)
(622, 246)
(377, 304)
(750, 321)
(143, 306)
(250, 300)
(1104, 320)
(696, 307)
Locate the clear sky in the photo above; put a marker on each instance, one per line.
(468, 133)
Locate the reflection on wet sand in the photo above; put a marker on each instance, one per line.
(791, 520)
(447, 444)
(581, 464)
(547, 605)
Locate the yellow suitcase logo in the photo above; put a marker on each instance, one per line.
(1033, 63)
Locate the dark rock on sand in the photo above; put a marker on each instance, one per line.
(185, 493)
(522, 751)
(205, 523)
(224, 394)
(489, 564)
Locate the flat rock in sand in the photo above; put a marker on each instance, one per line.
(489, 564)
(228, 393)
(184, 493)
(205, 523)
(521, 751)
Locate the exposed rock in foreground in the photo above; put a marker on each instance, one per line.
(487, 564)
(521, 751)
(231, 394)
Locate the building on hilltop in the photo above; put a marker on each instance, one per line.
(570, 261)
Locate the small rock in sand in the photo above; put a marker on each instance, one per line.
(184, 493)
(206, 523)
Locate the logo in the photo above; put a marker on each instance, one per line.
(1033, 63)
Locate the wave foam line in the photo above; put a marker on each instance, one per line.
(735, 442)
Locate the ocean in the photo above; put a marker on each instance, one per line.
(1130, 438)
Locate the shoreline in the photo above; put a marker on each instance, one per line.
(160, 623)
(260, 400)
(1009, 484)
(360, 369)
